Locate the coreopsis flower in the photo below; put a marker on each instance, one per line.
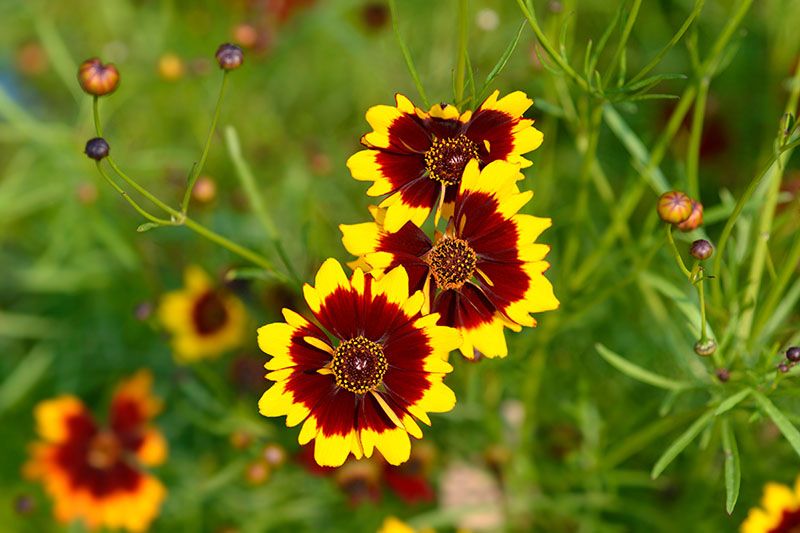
(204, 320)
(779, 511)
(417, 158)
(395, 525)
(674, 207)
(486, 272)
(96, 473)
(363, 385)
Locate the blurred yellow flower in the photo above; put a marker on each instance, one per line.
(779, 511)
(204, 320)
(94, 473)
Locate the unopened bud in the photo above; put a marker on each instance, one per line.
(704, 349)
(701, 249)
(723, 375)
(783, 368)
(793, 354)
(96, 148)
(96, 78)
(695, 218)
(674, 207)
(229, 56)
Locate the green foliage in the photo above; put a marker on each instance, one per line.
(645, 437)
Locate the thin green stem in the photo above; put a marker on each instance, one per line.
(695, 136)
(737, 210)
(139, 209)
(96, 114)
(626, 33)
(676, 254)
(776, 292)
(461, 61)
(702, 297)
(198, 168)
(179, 217)
(407, 54)
(530, 16)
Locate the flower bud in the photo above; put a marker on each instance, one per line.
(229, 56)
(695, 218)
(257, 472)
(793, 354)
(205, 190)
(96, 148)
(783, 368)
(723, 375)
(704, 349)
(96, 78)
(273, 454)
(701, 249)
(674, 207)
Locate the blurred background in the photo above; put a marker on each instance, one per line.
(548, 439)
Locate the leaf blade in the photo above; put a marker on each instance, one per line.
(733, 466)
(680, 444)
(638, 373)
(784, 425)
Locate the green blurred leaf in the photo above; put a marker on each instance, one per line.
(783, 423)
(732, 401)
(28, 372)
(638, 373)
(680, 444)
(733, 467)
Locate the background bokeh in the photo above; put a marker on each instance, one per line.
(78, 284)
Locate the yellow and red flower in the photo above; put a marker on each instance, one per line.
(415, 157)
(779, 511)
(363, 388)
(485, 273)
(204, 320)
(96, 473)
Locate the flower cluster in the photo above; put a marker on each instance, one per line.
(96, 473)
(371, 365)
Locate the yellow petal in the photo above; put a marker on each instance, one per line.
(331, 450)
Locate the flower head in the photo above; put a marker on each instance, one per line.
(674, 207)
(229, 56)
(95, 473)
(415, 156)
(779, 511)
(204, 320)
(96, 148)
(701, 249)
(485, 273)
(362, 385)
(97, 78)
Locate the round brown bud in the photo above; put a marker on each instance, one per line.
(701, 249)
(240, 439)
(723, 375)
(257, 472)
(274, 454)
(96, 148)
(704, 349)
(229, 56)
(96, 78)
(695, 218)
(793, 354)
(246, 35)
(783, 368)
(674, 207)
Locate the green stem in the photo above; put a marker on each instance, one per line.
(198, 168)
(179, 217)
(701, 295)
(463, 27)
(139, 209)
(731, 222)
(626, 33)
(96, 114)
(693, 152)
(676, 254)
(775, 294)
(530, 15)
(407, 54)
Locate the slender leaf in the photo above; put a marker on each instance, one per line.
(634, 146)
(732, 401)
(407, 54)
(733, 466)
(501, 63)
(24, 377)
(680, 444)
(783, 423)
(638, 373)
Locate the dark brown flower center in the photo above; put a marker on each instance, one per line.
(359, 365)
(105, 450)
(209, 313)
(452, 263)
(446, 158)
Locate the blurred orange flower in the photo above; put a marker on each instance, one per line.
(95, 473)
